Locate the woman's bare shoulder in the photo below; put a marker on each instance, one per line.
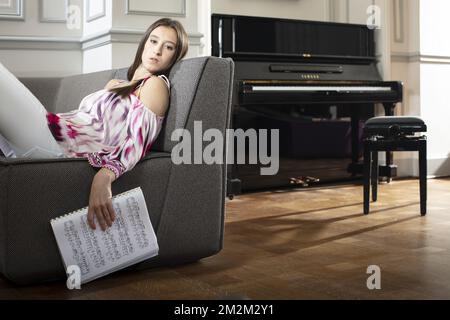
(155, 95)
(155, 84)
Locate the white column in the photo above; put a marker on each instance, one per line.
(204, 26)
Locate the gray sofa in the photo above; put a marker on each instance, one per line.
(186, 202)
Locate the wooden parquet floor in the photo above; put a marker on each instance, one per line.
(302, 244)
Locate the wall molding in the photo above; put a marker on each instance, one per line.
(439, 167)
(399, 21)
(347, 11)
(331, 10)
(407, 57)
(182, 13)
(436, 168)
(435, 59)
(39, 43)
(44, 19)
(16, 11)
(408, 166)
(125, 36)
(90, 42)
(97, 15)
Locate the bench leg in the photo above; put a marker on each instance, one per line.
(423, 176)
(367, 161)
(374, 175)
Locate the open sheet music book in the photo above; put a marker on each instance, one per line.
(131, 238)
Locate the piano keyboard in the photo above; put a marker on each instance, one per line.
(319, 88)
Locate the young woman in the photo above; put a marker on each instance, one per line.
(113, 128)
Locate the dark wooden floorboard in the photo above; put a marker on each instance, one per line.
(302, 244)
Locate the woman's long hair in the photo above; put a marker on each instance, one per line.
(180, 51)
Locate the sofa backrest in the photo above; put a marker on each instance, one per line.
(73, 89)
(200, 90)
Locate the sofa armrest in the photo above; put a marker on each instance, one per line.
(34, 191)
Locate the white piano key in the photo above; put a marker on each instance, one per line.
(319, 88)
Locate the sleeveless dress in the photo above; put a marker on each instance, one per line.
(110, 131)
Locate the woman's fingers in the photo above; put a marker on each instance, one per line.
(112, 213)
(100, 218)
(90, 218)
(106, 215)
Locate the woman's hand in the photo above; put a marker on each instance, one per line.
(100, 200)
(141, 73)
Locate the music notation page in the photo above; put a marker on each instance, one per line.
(129, 240)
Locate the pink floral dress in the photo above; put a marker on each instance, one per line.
(110, 131)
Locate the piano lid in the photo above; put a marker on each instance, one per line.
(273, 39)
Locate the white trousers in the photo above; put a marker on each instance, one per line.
(23, 122)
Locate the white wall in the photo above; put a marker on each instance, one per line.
(32, 26)
(108, 40)
(40, 43)
(405, 67)
(97, 59)
(123, 26)
(97, 17)
(434, 27)
(434, 81)
(204, 26)
(421, 58)
(382, 34)
(305, 9)
(405, 52)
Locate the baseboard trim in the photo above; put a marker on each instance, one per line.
(409, 167)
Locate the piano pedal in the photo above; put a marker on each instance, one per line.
(299, 182)
(312, 179)
(303, 181)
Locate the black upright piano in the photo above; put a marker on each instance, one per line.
(317, 82)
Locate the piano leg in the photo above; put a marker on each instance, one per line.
(355, 140)
(389, 108)
(234, 184)
(355, 167)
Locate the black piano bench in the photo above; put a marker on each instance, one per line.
(393, 133)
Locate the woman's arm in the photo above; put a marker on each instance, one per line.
(100, 200)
